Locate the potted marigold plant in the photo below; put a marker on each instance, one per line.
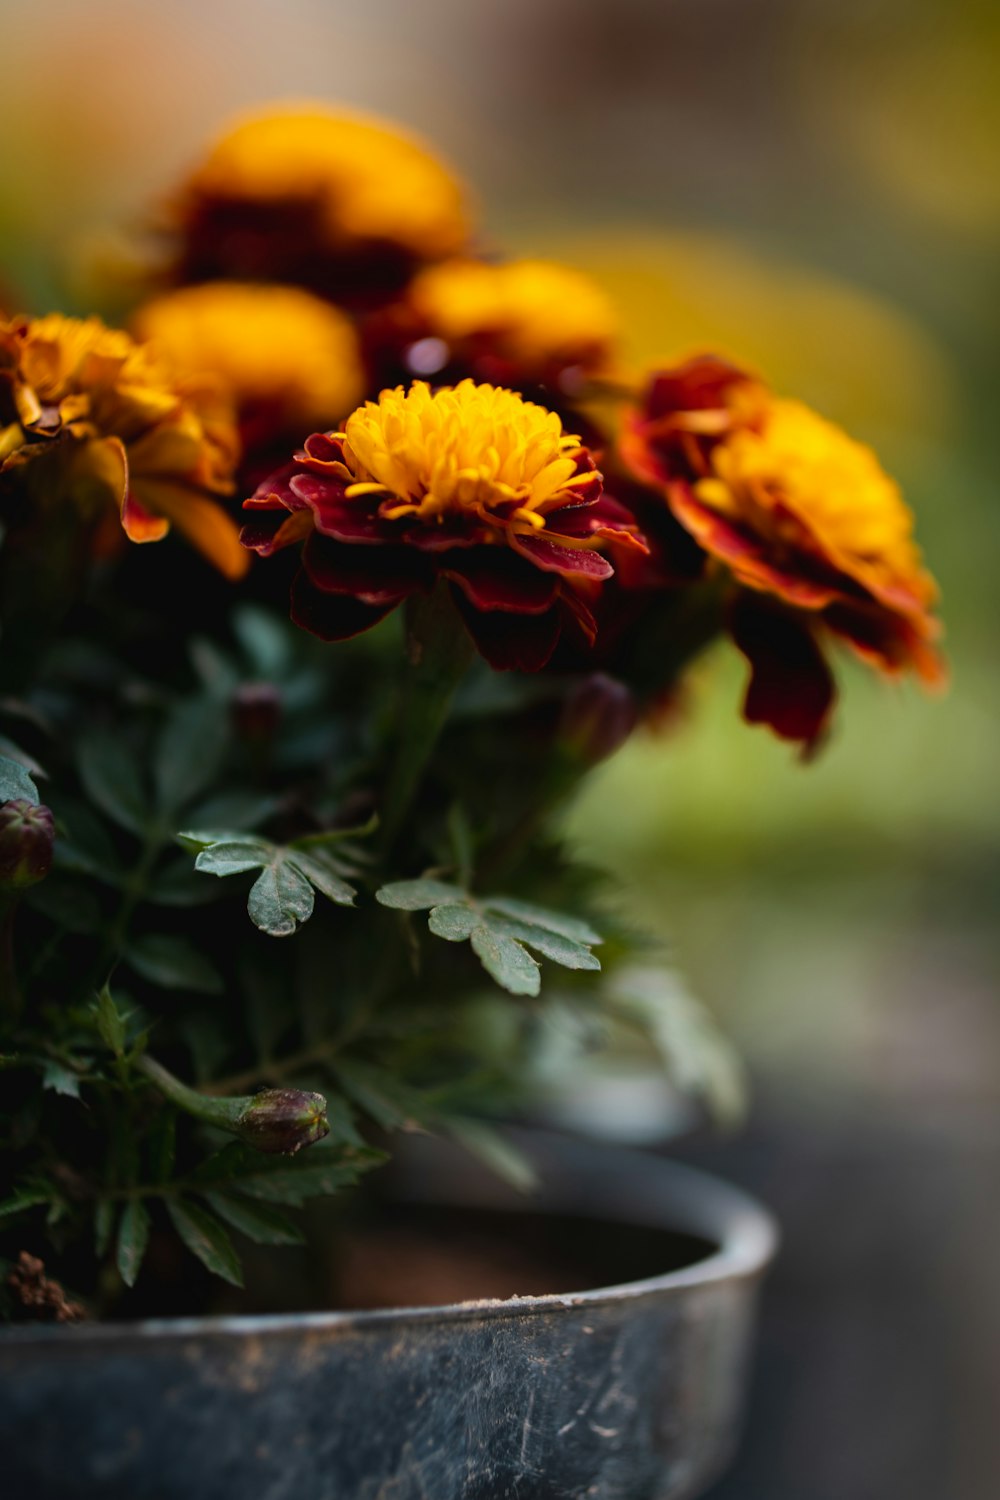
(502, 552)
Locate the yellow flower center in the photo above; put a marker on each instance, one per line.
(465, 449)
(538, 311)
(270, 344)
(369, 180)
(798, 460)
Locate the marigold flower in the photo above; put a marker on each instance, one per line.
(290, 360)
(523, 323)
(97, 418)
(471, 484)
(335, 201)
(807, 523)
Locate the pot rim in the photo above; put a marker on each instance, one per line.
(594, 1179)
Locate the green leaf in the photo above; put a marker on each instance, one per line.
(540, 916)
(112, 781)
(320, 1171)
(265, 641)
(322, 871)
(280, 899)
(506, 961)
(87, 848)
(235, 810)
(176, 884)
(419, 895)
(16, 784)
(495, 1151)
(133, 1238)
(258, 1221)
(390, 1102)
(110, 1023)
(60, 1079)
(104, 1226)
(282, 896)
(207, 1239)
(162, 1145)
(562, 950)
(455, 924)
(189, 752)
(21, 1199)
(174, 964)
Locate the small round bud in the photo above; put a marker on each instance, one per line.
(27, 839)
(282, 1121)
(598, 717)
(256, 710)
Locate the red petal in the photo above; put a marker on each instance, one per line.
(893, 644)
(275, 491)
(333, 617)
(511, 643)
(790, 688)
(552, 558)
(495, 578)
(345, 520)
(375, 575)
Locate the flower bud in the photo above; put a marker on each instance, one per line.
(282, 1121)
(256, 710)
(598, 717)
(27, 838)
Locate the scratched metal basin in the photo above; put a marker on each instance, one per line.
(629, 1392)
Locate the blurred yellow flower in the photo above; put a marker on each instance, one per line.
(96, 418)
(533, 319)
(290, 360)
(286, 193)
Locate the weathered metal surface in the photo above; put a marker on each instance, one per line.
(627, 1393)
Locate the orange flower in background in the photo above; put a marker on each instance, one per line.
(87, 416)
(290, 360)
(472, 485)
(807, 522)
(338, 202)
(524, 323)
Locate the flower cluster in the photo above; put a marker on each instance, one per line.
(88, 417)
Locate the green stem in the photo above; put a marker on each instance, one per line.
(439, 651)
(225, 1114)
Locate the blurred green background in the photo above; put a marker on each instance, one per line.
(813, 186)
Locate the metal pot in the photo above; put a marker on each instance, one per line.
(629, 1392)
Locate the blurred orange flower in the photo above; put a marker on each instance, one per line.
(291, 361)
(523, 322)
(87, 413)
(338, 202)
(807, 523)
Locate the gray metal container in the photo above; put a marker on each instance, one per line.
(630, 1392)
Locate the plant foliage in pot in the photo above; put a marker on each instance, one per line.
(281, 899)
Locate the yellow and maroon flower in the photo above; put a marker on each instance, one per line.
(808, 524)
(522, 323)
(86, 415)
(290, 360)
(337, 202)
(471, 484)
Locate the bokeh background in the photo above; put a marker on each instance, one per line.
(814, 186)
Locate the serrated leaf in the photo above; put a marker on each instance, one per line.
(455, 924)
(104, 1226)
(10, 751)
(419, 895)
(572, 928)
(206, 1238)
(189, 752)
(319, 1171)
(323, 873)
(110, 1024)
(562, 950)
(280, 899)
(133, 1238)
(174, 964)
(16, 784)
(225, 854)
(506, 961)
(258, 1221)
(60, 1079)
(22, 1199)
(112, 781)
